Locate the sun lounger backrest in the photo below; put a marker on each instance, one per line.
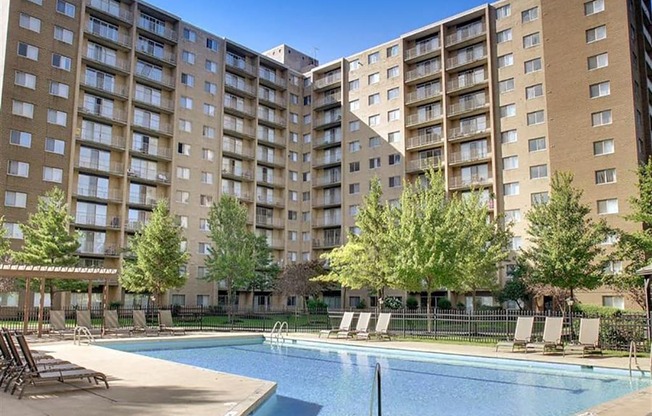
(363, 321)
(347, 319)
(139, 319)
(165, 317)
(589, 331)
(383, 322)
(31, 363)
(4, 348)
(111, 319)
(552, 329)
(57, 320)
(523, 330)
(84, 319)
(12, 348)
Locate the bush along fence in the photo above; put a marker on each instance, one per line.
(617, 331)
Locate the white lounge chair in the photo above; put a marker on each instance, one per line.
(58, 325)
(361, 326)
(345, 325)
(112, 325)
(84, 319)
(382, 328)
(551, 337)
(589, 340)
(140, 324)
(522, 334)
(167, 325)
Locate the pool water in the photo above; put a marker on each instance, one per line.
(315, 379)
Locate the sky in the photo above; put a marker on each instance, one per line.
(329, 29)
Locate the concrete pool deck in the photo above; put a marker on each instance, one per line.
(142, 385)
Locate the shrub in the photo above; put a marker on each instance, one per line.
(393, 303)
(443, 303)
(316, 304)
(115, 304)
(461, 306)
(361, 305)
(412, 303)
(597, 311)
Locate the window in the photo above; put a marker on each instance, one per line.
(506, 85)
(292, 235)
(531, 40)
(204, 225)
(183, 173)
(189, 35)
(183, 149)
(17, 168)
(393, 115)
(30, 23)
(538, 171)
(182, 220)
(202, 248)
(374, 162)
(614, 302)
(374, 120)
(603, 147)
(308, 117)
(395, 181)
(294, 175)
(27, 51)
(24, 79)
(354, 188)
(532, 65)
(372, 58)
(292, 215)
(15, 199)
(354, 125)
(530, 15)
(601, 118)
(535, 117)
(392, 51)
(52, 174)
(63, 35)
(205, 200)
(294, 118)
(185, 125)
(23, 109)
(516, 243)
(293, 196)
(188, 57)
(510, 162)
(307, 138)
(512, 215)
(354, 167)
(503, 12)
(504, 36)
(508, 110)
(306, 157)
(55, 146)
(354, 105)
(509, 136)
(374, 99)
(505, 60)
(354, 146)
(210, 66)
(66, 8)
(211, 44)
(209, 110)
(293, 156)
(394, 137)
(593, 7)
(595, 34)
(353, 65)
(393, 72)
(13, 231)
(374, 142)
(374, 78)
(305, 176)
(61, 62)
(392, 93)
(605, 176)
(182, 197)
(354, 85)
(208, 132)
(601, 89)
(511, 189)
(306, 196)
(59, 89)
(394, 159)
(210, 87)
(598, 61)
(537, 198)
(537, 145)
(534, 91)
(608, 206)
(185, 102)
(187, 79)
(20, 138)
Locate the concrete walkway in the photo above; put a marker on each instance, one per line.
(147, 386)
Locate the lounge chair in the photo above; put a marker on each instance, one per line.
(589, 340)
(58, 325)
(345, 325)
(140, 324)
(167, 325)
(32, 374)
(381, 331)
(112, 325)
(84, 319)
(551, 337)
(522, 334)
(361, 326)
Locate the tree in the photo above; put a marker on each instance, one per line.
(48, 240)
(158, 256)
(635, 248)
(428, 242)
(297, 280)
(231, 257)
(266, 270)
(516, 289)
(367, 260)
(564, 249)
(6, 284)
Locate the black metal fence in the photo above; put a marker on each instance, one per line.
(616, 331)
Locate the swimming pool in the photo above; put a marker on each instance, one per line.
(332, 380)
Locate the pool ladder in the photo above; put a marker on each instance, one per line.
(633, 357)
(277, 331)
(375, 392)
(82, 331)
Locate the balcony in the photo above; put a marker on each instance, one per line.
(327, 140)
(271, 78)
(327, 201)
(320, 162)
(158, 54)
(243, 196)
(240, 65)
(271, 118)
(276, 181)
(327, 101)
(134, 225)
(277, 244)
(111, 9)
(326, 121)
(269, 159)
(458, 182)
(276, 141)
(238, 129)
(161, 79)
(108, 250)
(423, 140)
(468, 131)
(113, 37)
(94, 193)
(161, 128)
(468, 105)
(239, 87)
(265, 221)
(114, 168)
(107, 61)
(422, 94)
(422, 117)
(239, 107)
(327, 243)
(102, 85)
(466, 34)
(158, 152)
(327, 221)
(466, 58)
(151, 175)
(277, 100)
(237, 173)
(158, 103)
(142, 200)
(422, 73)
(270, 200)
(327, 81)
(419, 165)
(229, 148)
(157, 29)
(470, 156)
(465, 82)
(109, 141)
(423, 49)
(327, 180)
(94, 220)
(105, 113)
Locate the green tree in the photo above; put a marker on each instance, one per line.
(231, 257)
(564, 249)
(297, 280)
(266, 270)
(428, 241)
(6, 284)
(367, 260)
(516, 289)
(49, 241)
(635, 248)
(158, 257)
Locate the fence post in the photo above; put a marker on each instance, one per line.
(434, 321)
(470, 320)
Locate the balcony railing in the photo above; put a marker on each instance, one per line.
(467, 130)
(164, 128)
(270, 200)
(159, 102)
(231, 147)
(327, 100)
(422, 94)
(157, 29)
(467, 105)
(271, 180)
(238, 128)
(425, 163)
(327, 242)
(327, 139)
(327, 160)
(142, 199)
(105, 139)
(239, 106)
(273, 78)
(99, 193)
(424, 139)
(103, 59)
(271, 118)
(467, 181)
(466, 81)
(105, 112)
(327, 119)
(422, 72)
(106, 86)
(469, 156)
(274, 140)
(272, 98)
(271, 222)
(161, 55)
(327, 80)
(161, 79)
(156, 151)
(115, 37)
(99, 249)
(136, 224)
(465, 58)
(423, 48)
(326, 180)
(150, 175)
(422, 117)
(320, 202)
(245, 196)
(110, 167)
(111, 8)
(85, 218)
(240, 86)
(328, 221)
(238, 172)
(240, 64)
(467, 33)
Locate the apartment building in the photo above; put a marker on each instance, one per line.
(122, 104)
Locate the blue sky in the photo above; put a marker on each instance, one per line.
(336, 28)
